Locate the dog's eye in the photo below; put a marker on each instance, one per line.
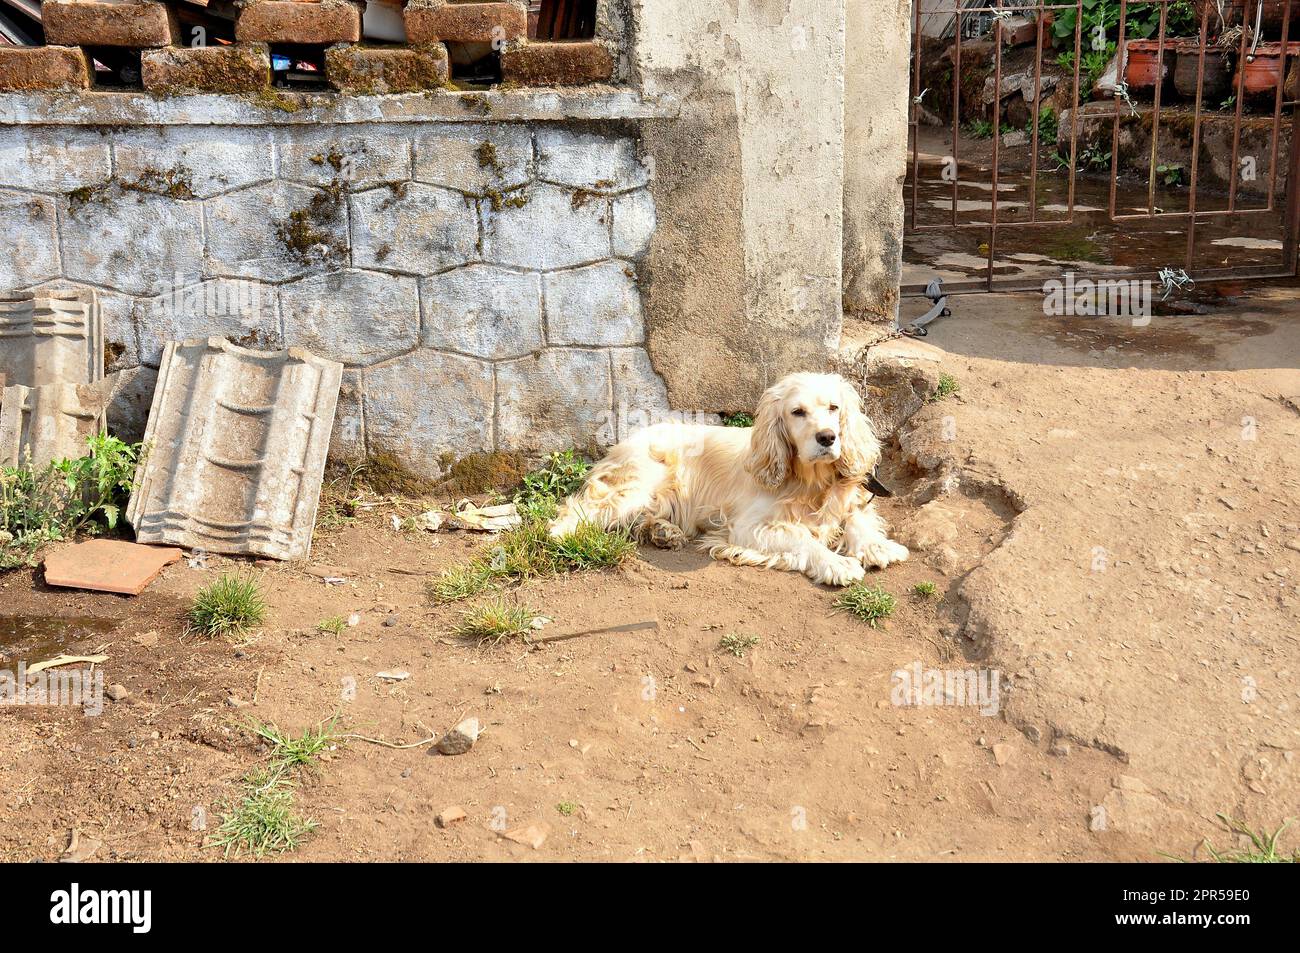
(833, 407)
(800, 412)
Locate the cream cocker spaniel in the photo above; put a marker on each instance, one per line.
(787, 493)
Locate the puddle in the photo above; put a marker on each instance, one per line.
(31, 638)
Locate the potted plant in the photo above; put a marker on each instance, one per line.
(1142, 61)
(1260, 71)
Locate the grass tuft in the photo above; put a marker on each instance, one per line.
(289, 753)
(229, 606)
(334, 625)
(737, 645)
(567, 808)
(264, 820)
(871, 604)
(591, 547)
(528, 551)
(1262, 848)
(925, 590)
(496, 620)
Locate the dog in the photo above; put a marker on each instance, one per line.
(788, 493)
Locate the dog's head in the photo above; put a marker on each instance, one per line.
(811, 419)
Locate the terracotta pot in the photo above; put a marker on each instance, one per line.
(1233, 11)
(1262, 72)
(1141, 62)
(1217, 79)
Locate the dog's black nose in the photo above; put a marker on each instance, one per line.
(826, 437)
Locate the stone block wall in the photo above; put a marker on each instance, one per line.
(480, 281)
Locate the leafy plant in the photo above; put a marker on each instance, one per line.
(737, 645)
(1048, 124)
(543, 489)
(334, 625)
(947, 387)
(42, 505)
(229, 606)
(737, 420)
(925, 590)
(1170, 175)
(979, 129)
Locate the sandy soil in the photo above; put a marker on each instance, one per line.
(1124, 686)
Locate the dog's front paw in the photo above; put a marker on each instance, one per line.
(880, 553)
(840, 571)
(563, 526)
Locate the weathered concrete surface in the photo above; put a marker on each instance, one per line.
(238, 440)
(876, 94)
(55, 337)
(51, 422)
(745, 268)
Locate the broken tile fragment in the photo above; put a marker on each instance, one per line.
(109, 565)
(534, 834)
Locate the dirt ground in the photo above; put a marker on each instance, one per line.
(1125, 685)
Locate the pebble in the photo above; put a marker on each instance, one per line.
(1002, 753)
(390, 621)
(117, 692)
(461, 738)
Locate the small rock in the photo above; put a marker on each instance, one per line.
(461, 738)
(1097, 818)
(449, 816)
(534, 834)
(390, 621)
(233, 702)
(1060, 749)
(147, 639)
(1002, 753)
(1293, 544)
(117, 692)
(1033, 733)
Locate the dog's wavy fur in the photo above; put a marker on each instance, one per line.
(774, 495)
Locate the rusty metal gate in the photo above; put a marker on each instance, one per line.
(1199, 238)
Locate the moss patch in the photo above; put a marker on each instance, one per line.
(483, 473)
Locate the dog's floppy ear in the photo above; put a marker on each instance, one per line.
(769, 449)
(859, 449)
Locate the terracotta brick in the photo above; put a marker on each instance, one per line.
(86, 23)
(291, 21)
(557, 64)
(380, 70)
(243, 68)
(43, 67)
(431, 22)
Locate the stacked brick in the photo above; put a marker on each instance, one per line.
(171, 66)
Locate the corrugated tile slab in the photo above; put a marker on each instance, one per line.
(236, 449)
(50, 422)
(51, 337)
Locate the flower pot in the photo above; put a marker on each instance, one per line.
(1234, 11)
(1262, 72)
(1217, 77)
(1142, 62)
